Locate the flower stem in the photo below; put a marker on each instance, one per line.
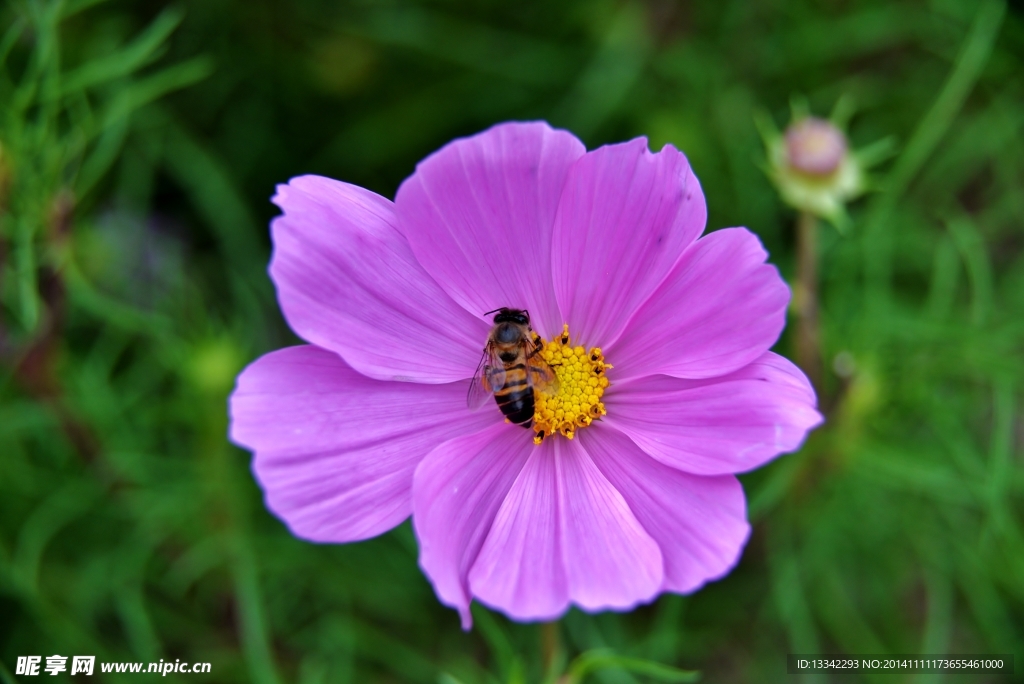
(808, 336)
(550, 645)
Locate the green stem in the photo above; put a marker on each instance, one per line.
(808, 335)
(550, 646)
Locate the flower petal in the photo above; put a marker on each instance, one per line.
(457, 490)
(625, 217)
(721, 308)
(347, 281)
(334, 450)
(729, 424)
(519, 568)
(564, 534)
(478, 214)
(700, 523)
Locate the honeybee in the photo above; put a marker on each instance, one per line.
(511, 367)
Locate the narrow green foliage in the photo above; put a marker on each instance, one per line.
(139, 52)
(597, 661)
(139, 145)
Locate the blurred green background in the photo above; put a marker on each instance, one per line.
(139, 145)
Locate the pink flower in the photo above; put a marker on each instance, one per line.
(368, 424)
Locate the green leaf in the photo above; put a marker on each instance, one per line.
(152, 88)
(602, 659)
(141, 51)
(979, 271)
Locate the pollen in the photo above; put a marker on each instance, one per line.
(573, 400)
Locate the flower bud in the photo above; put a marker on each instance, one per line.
(813, 167)
(815, 147)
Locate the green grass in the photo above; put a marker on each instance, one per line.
(139, 147)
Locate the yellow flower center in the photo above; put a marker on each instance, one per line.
(574, 400)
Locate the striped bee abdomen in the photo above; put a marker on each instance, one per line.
(515, 398)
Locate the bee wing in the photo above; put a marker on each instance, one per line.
(538, 373)
(488, 378)
(541, 376)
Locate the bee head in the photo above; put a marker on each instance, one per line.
(507, 315)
